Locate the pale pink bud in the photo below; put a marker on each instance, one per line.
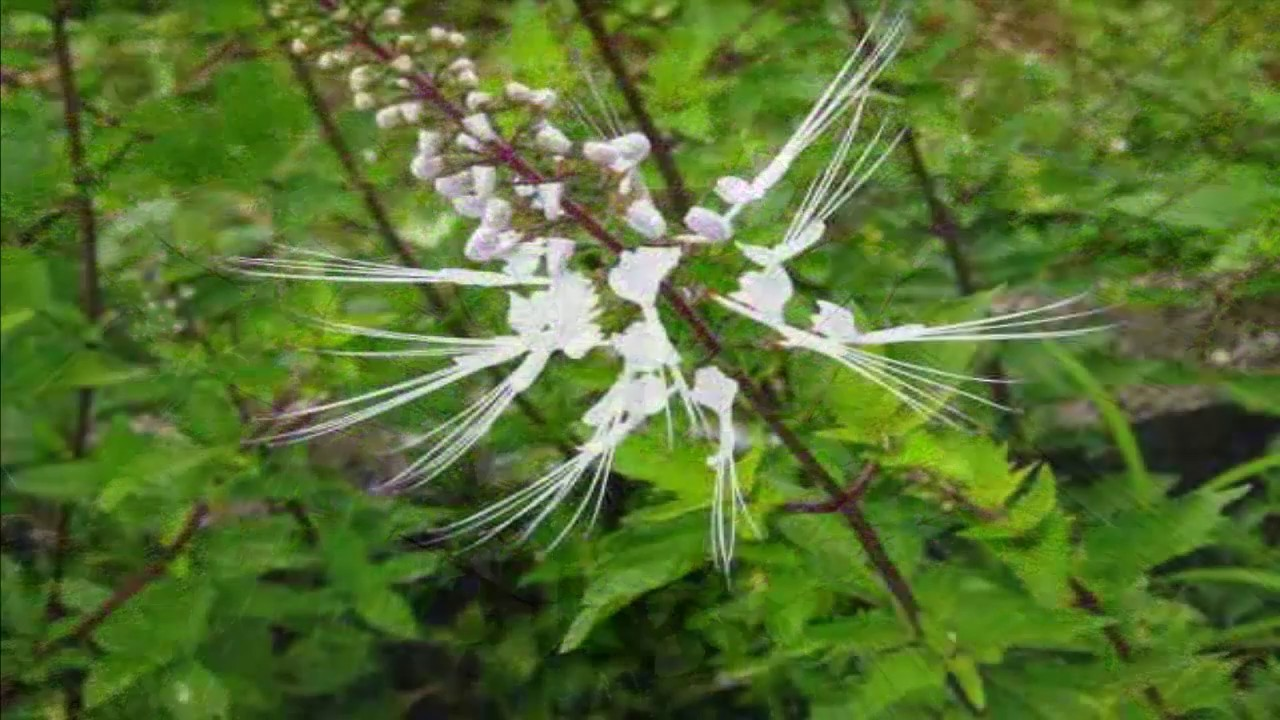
(477, 100)
(478, 126)
(429, 142)
(455, 185)
(497, 214)
(551, 139)
(519, 92)
(461, 64)
(471, 206)
(544, 99)
(468, 143)
(600, 153)
(736, 191)
(643, 217)
(484, 178)
(708, 224)
(426, 167)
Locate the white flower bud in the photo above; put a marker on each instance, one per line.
(631, 149)
(457, 39)
(404, 83)
(479, 127)
(485, 244)
(412, 111)
(426, 167)
(361, 78)
(388, 117)
(325, 61)
(402, 64)
(497, 214)
(342, 13)
(391, 16)
(477, 100)
(524, 190)
(470, 206)
(364, 101)
(600, 153)
(455, 185)
(643, 217)
(279, 10)
(298, 47)
(736, 191)
(437, 34)
(341, 58)
(708, 224)
(551, 139)
(519, 92)
(550, 195)
(468, 78)
(461, 64)
(544, 99)
(468, 143)
(429, 142)
(484, 178)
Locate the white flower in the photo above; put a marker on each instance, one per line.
(766, 291)
(736, 191)
(715, 391)
(639, 274)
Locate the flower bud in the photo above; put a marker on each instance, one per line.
(468, 143)
(551, 139)
(497, 214)
(519, 92)
(426, 167)
(544, 99)
(708, 224)
(461, 64)
(402, 64)
(600, 153)
(429, 142)
(470, 206)
(437, 34)
(455, 185)
(412, 111)
(391, 16)
(486, 244)
(478, 126)
(457, 39)
(364, 101)
(477, 100)
(298, 47)
(631, 149)
(550, 196)
(484, 178)
(643, 217)
(736, 191)
(388, 117)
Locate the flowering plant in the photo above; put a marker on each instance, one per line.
(536, 194)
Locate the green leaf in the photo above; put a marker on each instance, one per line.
(889, 679)
(89, 368)
(112, 675)
(192, 692)
(1042, 561)
(11, 321)
(1242, 472)
(965, 670)
(1266, 580)
(70, 481)
(1119, 551)
(1142, 487)
(384, 609)
(648, 558)
(167, 617)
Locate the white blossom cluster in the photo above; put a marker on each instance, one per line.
(503, 162)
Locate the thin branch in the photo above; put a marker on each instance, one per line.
(848, 496)
(91, 306)
(1087, 600)
(677, 192)
(424, 87)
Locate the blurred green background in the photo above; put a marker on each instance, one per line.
(1109, 552)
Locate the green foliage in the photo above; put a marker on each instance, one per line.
(1063, 569)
